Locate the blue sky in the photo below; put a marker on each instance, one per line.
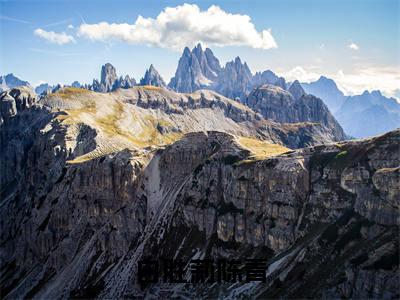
(355, 42)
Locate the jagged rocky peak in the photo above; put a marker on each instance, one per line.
(268, 77)
(109, 80)
(196, 69)
(296, 90)
(235, 80)
(152, 77)
(108, 76)
(76, 84)
(10, 81)
(43, 89)
(14, 101)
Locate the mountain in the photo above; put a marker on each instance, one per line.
(235, 80)
(10, 81)
(43, 88)
(369, 114)
(326, 89)
(296, 90)
(363, 115)
(76, 84)
(278, 105)
(109, 80)
(196, 69)
(93, 184)
(152, 77)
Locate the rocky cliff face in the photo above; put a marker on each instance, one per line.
(279, 105)
(196, 69)
(235, 80)
(152, 77)
(109, 80)
(325, 218)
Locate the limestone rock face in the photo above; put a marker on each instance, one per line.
(152, 77)
(235, 80)
(108, 77)
(76, 226)
(109, 80)
(196, 69)
(279, 105)
(296, 90)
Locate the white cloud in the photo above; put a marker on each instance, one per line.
(353, 46)
(54, 37)
(300, 74)
(184, 25)
(70, 26)
(386, 79)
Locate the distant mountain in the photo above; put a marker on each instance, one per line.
(10, 81)
(76, 84)
(43, 88)
(369, 114)
(109, 80)
(327, 90)
(200, 69)
(196, 69)
(152, 77)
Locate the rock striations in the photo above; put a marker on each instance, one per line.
(196, 69)
(200, 69)
(325, 218)
(109, 80)
(152, 77)
(279, 105)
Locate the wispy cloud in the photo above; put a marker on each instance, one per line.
(6, 18)
(54, 37)
(300, 74)
(184, 25)
(353, 46)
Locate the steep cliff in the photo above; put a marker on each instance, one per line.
(325, 218)
(292, 106)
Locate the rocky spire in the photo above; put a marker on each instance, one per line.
(109, 80)
(235, 80)
(152, 77)
(108, 77)
(296, 90)
(196, 69)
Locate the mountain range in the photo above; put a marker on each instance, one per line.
(200, 69)
(368, 114)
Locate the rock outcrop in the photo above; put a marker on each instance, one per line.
(296, 90)
(109, 80)
(279, 105)
(10, 81)
(235, 80)
(152, 77)
(77, 216)
(43, 89)
(196, 69)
